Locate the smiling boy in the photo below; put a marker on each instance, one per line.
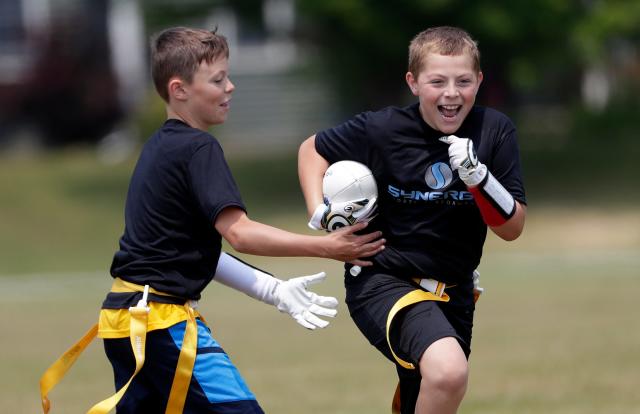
(438, 195)
(182, 201)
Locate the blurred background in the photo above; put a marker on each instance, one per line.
(557, 330)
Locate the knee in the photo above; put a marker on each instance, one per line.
(447, 376)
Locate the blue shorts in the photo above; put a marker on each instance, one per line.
(216, 385)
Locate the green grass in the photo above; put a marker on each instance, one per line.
(555, 332)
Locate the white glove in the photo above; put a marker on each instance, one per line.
(289, 296)
(462, 157)
(345, 213)
(477, 290)
(292, 297)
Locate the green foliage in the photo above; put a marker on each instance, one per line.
(603, 23)
(531, 49)
(160, 14)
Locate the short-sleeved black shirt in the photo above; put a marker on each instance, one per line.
(426, 213)
(180, 184)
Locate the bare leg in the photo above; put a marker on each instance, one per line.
(445, 372)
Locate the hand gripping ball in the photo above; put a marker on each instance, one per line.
(348, 187)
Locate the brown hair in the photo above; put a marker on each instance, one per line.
(444, 40)
(178, 51)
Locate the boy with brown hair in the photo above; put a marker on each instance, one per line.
(182, 200)
(438, 193)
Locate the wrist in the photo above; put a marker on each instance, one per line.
(247, 279)
(474, 176)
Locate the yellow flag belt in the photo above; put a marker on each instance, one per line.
(137, 335)
(434, 291)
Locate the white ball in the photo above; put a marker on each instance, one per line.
(348, 181)
(347, 187)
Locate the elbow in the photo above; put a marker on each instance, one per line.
(513, 228)
(509, 235)
(509, 231)
(238, 240)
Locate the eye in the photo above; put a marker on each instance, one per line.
(464, 82)
(219, 78)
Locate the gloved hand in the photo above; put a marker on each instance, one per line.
(477, 290)
(292, 297)
(289, 296)
(331, 216)
(462, 157)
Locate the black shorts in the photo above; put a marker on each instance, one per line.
(371, 295)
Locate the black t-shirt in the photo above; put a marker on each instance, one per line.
(429, 218)
(179, 186)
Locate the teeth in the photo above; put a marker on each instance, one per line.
(450, 107)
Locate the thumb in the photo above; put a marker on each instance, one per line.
(313, 279)
(449, 139)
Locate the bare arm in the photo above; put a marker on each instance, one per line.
(311, 169)
(512, 229)
(252, 237)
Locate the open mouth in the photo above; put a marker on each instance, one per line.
(449, 111)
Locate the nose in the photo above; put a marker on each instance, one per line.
(451, 90)
(230, 86)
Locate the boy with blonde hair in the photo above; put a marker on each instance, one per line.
(438, 195)
(182, 200)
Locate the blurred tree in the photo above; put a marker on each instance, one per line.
(531, 50)
(162, 14)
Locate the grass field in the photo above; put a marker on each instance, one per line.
(555, 332)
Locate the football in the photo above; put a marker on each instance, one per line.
(347, 186)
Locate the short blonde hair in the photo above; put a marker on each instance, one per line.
(178, 51)
(444, 40)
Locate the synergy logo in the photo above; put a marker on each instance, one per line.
(438, 176)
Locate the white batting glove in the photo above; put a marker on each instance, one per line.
(462, 157)
(304, 306)
(368, 212)
(477, 290)
(346, 213)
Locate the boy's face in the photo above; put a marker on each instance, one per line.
(209, 94)
(446, 87)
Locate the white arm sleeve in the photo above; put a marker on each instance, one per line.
(242, 277)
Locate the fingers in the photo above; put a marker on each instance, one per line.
(326, 301)
(303, 322)
(366, 238)
(367, 211)
(320, 311)
(361, 263)
(370, 249)
(310, 321)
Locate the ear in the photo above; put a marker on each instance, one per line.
(480, 78)
(176, 88)
(412, 82)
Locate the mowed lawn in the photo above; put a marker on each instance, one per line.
(556, 330)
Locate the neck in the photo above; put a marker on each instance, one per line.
(173, 113)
